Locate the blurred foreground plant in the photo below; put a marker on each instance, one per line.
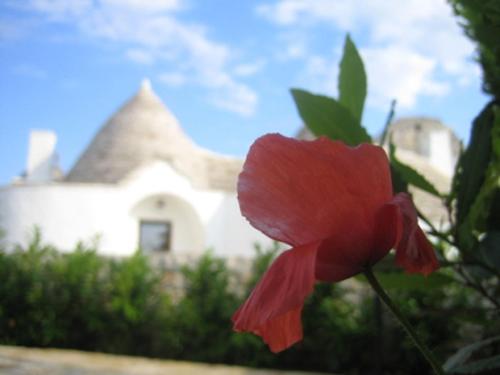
(469, 246)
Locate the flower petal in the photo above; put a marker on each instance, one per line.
(388, 231)
(273, 309)
(299, 192)
(341, 257)
(414, 252)
(283, 331)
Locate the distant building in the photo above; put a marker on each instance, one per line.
(142, 182)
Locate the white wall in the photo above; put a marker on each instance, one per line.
(441, 153)
(230, 234)
(68, 213)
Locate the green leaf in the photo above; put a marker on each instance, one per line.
(326, 116)
(388, 122)
(403, 281)
(474, 162)
(494, 217)
(352, 80)
(461, 356)
(477, 181)
(490, 248)
(399, 185)
(409, 175)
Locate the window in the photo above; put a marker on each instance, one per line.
(155, 236)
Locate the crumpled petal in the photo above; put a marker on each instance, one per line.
(414, 252)
(273, 309)
(299, 192)
(283, 331)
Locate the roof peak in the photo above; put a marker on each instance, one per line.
(146, 85)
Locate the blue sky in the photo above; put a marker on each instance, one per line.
(223, 67)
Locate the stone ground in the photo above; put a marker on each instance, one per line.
(30, 361)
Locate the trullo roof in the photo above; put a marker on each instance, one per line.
(143, 130)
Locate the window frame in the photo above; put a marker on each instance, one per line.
(168, 224)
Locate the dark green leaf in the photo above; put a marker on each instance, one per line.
(352, 80)
(409, 175)
(398, 184)
(404, 281)
(494, 218)
(326, 116)
(388, 122)
(482, 25)
(462, 355)
(478, 179)
(490, 248)
(474, 163)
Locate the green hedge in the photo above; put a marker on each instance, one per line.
(81, 300)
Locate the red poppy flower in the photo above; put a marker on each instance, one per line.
(334, 206)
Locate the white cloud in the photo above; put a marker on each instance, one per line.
(290, 12)
(58, 9)
(291, 46)
(151, 33)
(320, 74)
(401, 74)
(421, 38)
(151, 6)
(236, 98)
(140, 56)
(249, 69)
(173, 79)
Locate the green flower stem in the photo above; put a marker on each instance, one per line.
(404, 322)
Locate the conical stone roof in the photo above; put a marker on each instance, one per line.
(142, 131)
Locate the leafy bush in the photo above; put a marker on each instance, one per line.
(81, 300)
(481, 22)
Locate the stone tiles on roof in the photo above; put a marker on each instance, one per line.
(142, 131)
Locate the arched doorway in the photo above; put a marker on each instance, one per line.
(168, 224)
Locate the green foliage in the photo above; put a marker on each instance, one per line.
(458, 362)
(409, 175)
(326, 116)
(203, 316)
(84, 301)
(338, 119)
(69, 300)
(398, 280)
(482, 24)
(473, 205)
(399, 185)
(489, 249)
(352, 80)
(476, 193)
(473, 164)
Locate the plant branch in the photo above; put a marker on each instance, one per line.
(388, 122)
(424, 350)
(433, 230)
(477, 286)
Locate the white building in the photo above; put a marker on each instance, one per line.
(140, 182)
(143, 183)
